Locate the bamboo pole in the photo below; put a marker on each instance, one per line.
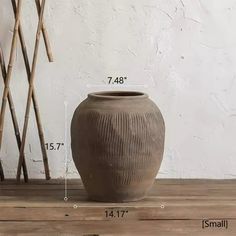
(2, 177)
(45, 34)
(34, 98)
(13, 113)
(30, 91)
(9, 71)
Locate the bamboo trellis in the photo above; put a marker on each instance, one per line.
(6, 74)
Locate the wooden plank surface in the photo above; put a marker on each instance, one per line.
(99, 228)
(173, 207)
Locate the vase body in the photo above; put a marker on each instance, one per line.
(117, 141)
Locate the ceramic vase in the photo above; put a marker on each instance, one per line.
(117, 141)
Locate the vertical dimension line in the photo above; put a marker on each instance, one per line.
(66, 151)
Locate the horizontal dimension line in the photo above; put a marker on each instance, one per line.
(110, 85)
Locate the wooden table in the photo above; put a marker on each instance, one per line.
(173, 207)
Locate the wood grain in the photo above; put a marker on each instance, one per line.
(99, 228)
(173, 207)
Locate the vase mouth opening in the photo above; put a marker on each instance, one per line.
(118, 95)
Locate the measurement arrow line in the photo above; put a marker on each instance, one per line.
(66, 152)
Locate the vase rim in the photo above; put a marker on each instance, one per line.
(118, 95)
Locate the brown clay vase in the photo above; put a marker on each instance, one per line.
(117, 145)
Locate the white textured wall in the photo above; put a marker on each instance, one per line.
(181, 52)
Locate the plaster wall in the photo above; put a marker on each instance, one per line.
(181, 52)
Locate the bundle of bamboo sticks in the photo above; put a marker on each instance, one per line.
(7, 96)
